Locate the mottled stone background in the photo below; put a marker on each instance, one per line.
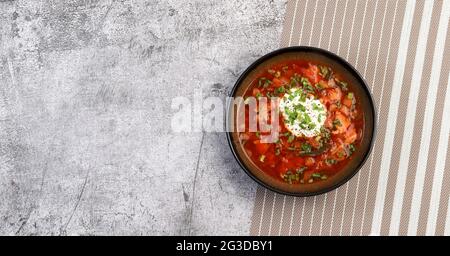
(85, 107)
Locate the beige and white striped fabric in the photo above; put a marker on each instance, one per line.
(402, 48)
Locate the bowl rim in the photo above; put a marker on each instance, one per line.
(353, 72)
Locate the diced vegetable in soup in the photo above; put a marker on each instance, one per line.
(320, 119)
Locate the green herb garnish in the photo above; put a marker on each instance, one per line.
(277, 151)
(325, 72)
(301, 169)
(286, 134)
(281, 89)
(261, 158)
(316, 175)
(330, 161)
(264, 82)
(291, 138)
(343, 85)
(306, 148)
(306, 84)
(351, 148)
(337, 122)
(290, 177)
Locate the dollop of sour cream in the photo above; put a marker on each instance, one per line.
(303, 115)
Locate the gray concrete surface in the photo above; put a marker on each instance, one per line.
(85, 92)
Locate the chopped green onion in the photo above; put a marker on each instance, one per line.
(264, 82)
(291, 138)
(337, 122)
(289, 177)
(325, 72)
(261, 158)
(277, 151)
(303, 97)
(343, 85)
(281, 89)
(316, 175)
(351, 148)
(261, 81)
(274, 73)
(301, 169)
(306, 147)
(330, 161)
(320, 118)
(306, 84)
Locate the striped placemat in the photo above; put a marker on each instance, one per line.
(402, 48)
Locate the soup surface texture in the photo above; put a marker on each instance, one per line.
(320, 122)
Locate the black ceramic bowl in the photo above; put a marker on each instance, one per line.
(356, 84)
